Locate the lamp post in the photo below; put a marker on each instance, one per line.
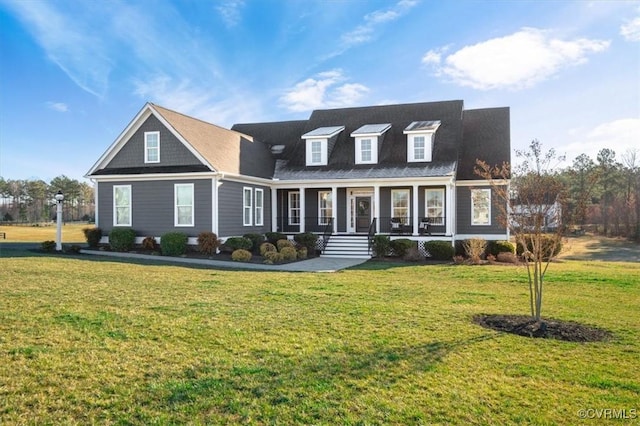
(59, 198)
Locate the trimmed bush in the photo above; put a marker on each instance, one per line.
(439, 250)
(73, 249)
(497, 247)
(308, 240)
(241, 255)
(400, 246)
(93, 236)
(271, 257)
(208, 243)
(150, 243)
(122, 239)
(547, 241)
(413, 255)
(507, 257)
(274, 237)
(267, 248)
(256, 240)
(237, 243)
(173, 244)
(381, 245)
(284, 243)
(48, 245)
(302, 253)
(289, 254)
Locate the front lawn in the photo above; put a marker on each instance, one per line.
(100, 341)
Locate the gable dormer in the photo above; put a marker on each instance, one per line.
(367, 144)
(420, 136)
(319, 144)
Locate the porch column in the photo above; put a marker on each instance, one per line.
(334, 208)
(376, 206)
(302, 210)
(415, 210)
(274, 210)
(450, 208)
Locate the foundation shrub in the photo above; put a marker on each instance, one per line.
(150, 243)
(208, 243)
(274, 237)
(306, 239)
(400, 246)
(173, 244)
(93, 236)
(236, 243)
(413, 255)
(302, 253)
(48, 245)
(381, 245)
(439, 250)
(507, 257)
(271, 257)
(289, 254)
(122, 239)
(266, 248)
(496, 247)
(256, 240)
(474, 248)
(241, 255)
(284, 243)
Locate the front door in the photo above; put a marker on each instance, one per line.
(363, 214)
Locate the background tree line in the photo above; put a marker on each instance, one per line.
(31, 201)
(603, 196)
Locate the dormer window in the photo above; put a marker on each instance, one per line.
(318, 144)
(420, 135)
(366, 142)
(151, 147)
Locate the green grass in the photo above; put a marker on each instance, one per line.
(87, 341)
(71, 233)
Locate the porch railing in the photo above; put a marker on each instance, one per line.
(371, 233)
(404, 225)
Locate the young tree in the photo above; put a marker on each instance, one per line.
(535, 194)
(608, 177)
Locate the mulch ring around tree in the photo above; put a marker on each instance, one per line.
(524, 325)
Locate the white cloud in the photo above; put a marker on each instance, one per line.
(434, 56)
(516, 61)
(630, 30)
(323, 91)
(620, 135)
(230, 12)
(58, 106)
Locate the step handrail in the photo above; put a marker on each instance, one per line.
(371, 234)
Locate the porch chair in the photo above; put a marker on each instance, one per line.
(397, 227)
(425, 224)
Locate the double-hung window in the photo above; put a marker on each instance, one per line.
(183, 201)
(294, 208)
(122, 205)
(151, 147)
(400, 204)
(434, 205)
(481, 206)
(259, 207)
(325, 207)
(247, 206)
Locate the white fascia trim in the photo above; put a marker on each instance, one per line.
(126, 134)
(482, 182)
(154, 176)
(245, 179)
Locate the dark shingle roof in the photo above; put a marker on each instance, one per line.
(446, 168)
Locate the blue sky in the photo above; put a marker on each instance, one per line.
(74, 73)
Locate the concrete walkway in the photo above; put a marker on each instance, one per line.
(317, 264)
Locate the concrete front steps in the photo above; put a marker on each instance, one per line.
(347, 246)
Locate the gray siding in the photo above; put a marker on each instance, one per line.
(172, 151)
(463, 219)
(153, 206)
(230, 212)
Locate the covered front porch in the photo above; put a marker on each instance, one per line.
(395, 208)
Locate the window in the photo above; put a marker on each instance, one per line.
(183, 200)
(434, 205)
(122, 205)
(316, 152)
(151, 147)
(400, 204)
(259, 207)
(294, 208)
(366, 151)
(419, 148)
(481, 207)
(247, 206)
(325, 207)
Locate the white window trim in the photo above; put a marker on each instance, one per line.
(330, 207)
(115, 212)
(488, 191)
(247, 207)
(428, 147)
(374, 150)
(323, 152)
(444, 205)
(408, 215)
(146, 147)
(259, 208)
(175, 205)
(291, 209)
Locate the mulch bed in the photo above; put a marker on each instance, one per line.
(524, 325)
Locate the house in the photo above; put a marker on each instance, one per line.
(404, 170)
